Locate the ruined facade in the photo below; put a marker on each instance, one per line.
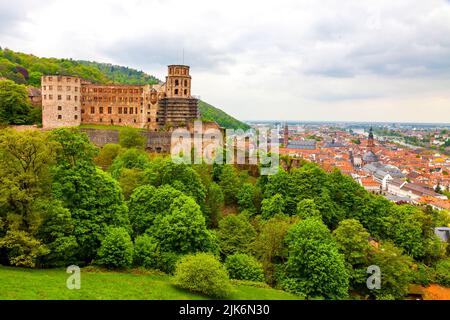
(71, 101)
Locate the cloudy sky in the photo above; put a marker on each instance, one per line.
(358, 60)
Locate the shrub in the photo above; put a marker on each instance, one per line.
(443, 272)
(202, 273)
(146, 252)
(244, 267)
(116, 250)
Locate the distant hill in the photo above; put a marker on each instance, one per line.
(27, 69)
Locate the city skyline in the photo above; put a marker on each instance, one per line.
(352, 61)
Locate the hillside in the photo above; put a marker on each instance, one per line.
(27, 69)
(211, 113)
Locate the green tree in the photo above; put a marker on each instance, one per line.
(314, 267)
(307, 208)
(353, 242)
(14, 103)
(146, 202)
(93, 197)
(235, 234)
(129, 180)
(131, 138)
(269, 246)
(241, 266)
(246, 198)
(183, 228)
(107, 155)
(395, 268)
(55, 231)
(229, 182)
(272, 206)
(180, 176)
(129, 159)
(214, 203)
(116, 250)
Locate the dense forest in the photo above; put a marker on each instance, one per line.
(312, 233)
(27, 69)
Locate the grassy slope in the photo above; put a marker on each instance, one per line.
(50, 284)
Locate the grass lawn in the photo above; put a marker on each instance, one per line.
(50, 284)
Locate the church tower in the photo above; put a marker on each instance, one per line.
(370, 142)
(286, 135)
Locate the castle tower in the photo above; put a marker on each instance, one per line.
(61, 101)
(370, 141)
(178, 82)
(178, 107)
(286, 135)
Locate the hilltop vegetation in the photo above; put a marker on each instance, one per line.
(210, 113)
(27, 69)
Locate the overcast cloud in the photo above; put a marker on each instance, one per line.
(299, 60)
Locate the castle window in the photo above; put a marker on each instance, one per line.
(176, 82)
(68, 88)
(120, 120)
(45, 88)
(185, 83)
(100, 110)
(134, 120)
(101, 120)
(59, 108)
(59, 78)
(76, 80)
(68, 98)
(68, 79)
(92, 109)
(148, 120)
(125, 110)
(50, 97)
(109, 110)
(59, 117)
(76, 98)
(82, 110)
(45, 97)
(131, 110)
(50, 87)
(135, 110)
(185, 91)
(176, 91)
(112, 121)
(76, 108)
(50, 78)
(76, 89)
(76, 117)
(59, 88)
(120, 110)
(59, 97)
